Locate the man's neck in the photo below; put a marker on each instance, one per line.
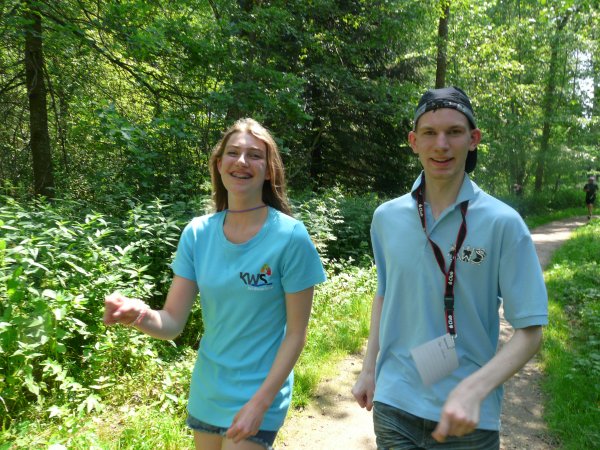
(441, 193)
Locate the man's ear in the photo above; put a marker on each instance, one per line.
(412, 140)
(475, 138)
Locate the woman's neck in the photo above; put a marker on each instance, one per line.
(241, 226)
(253, 208)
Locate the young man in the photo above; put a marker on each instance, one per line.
(590, 195)
(447, 255)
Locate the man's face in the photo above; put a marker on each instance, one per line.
(442, 141)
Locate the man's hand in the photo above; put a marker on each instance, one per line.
(364, 389)
(460, 415)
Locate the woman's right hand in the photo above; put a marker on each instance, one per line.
(119, 309)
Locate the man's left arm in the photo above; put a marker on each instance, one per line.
(460, 414)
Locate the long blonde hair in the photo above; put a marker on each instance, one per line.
(274, 189)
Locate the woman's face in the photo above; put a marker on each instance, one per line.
(243, 165)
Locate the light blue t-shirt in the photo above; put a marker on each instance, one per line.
(497, 262)
(242, 293)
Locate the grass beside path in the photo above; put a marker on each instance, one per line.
(534, 221)
(571, 351)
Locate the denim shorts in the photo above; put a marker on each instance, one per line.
(263, 437)
(398, 430)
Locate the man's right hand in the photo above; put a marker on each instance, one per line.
(364, 389)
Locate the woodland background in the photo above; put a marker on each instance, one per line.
(105, 100)
(108, 114)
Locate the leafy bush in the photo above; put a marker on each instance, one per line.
(339, 224)
(56, 268)
(320, 216)
(539, 204)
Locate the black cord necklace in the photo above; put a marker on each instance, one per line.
(245, 210)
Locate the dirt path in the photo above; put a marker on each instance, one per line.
(334, 420)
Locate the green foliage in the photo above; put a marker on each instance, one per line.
(338, 223)
(548, 203)
(139, 92)
(58, 262)
(339, 325)
(128, 426)
(571, 351)
(517, 51)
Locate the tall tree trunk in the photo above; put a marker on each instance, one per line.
(38, 115)
(316, 154)
(442, 46)
(595, 127)
(548, 107)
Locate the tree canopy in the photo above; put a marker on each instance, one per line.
(105, 100)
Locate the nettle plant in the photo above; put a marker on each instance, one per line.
(57, 262)
(338, 224)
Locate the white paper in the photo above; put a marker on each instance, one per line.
(435, 359)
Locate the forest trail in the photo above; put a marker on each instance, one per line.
(334, 421)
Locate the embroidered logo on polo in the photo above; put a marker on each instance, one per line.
(258, 281)
(470, 254)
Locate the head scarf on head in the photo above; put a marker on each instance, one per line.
(453, 98)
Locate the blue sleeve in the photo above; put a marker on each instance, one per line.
(183, 263)
(522, 284)
(302, 266)
(378, 255)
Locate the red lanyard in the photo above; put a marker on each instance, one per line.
(439, 256)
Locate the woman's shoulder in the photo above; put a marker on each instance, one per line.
(201, 223)
(288, 227)
(284, 222)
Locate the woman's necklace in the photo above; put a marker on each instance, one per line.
(245, 210)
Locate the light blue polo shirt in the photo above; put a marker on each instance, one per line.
(242, 293)
(496, 261)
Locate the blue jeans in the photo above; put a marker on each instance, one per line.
(398, 430)
(263, 437)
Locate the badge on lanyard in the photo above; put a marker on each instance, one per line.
(435, 359)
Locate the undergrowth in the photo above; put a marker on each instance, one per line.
(571, 352)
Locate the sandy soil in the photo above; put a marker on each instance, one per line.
(334, 420)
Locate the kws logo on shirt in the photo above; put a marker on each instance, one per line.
(258, 281)
(469, 254)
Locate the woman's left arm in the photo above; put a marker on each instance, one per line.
(247, 421)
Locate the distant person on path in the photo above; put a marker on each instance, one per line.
(255, 268)
(591, 188)
(445, 254)
(518, 189)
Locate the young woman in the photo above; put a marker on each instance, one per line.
(255, 269)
